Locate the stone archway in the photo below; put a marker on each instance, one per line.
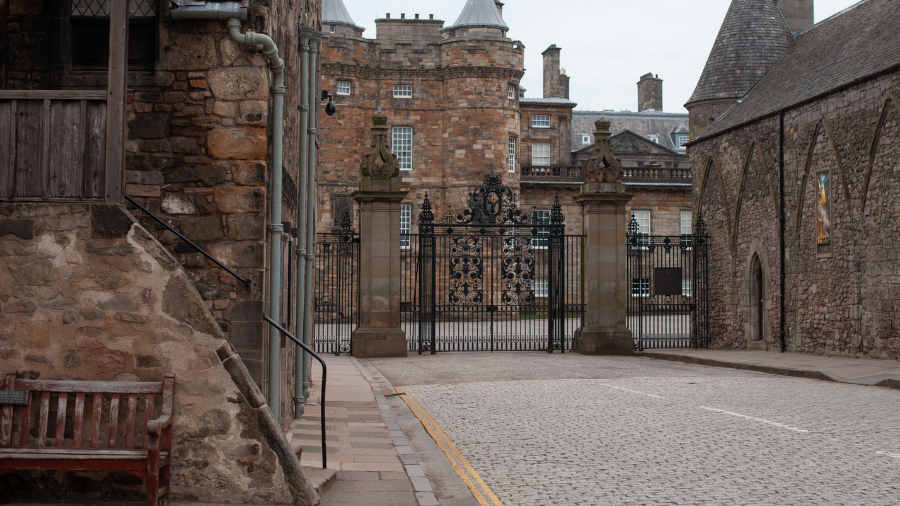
(756, 326)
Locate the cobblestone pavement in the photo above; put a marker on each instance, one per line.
(567, 429)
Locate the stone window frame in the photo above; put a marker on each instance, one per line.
(406, 160)
(403, 91)
(338, 88)
(332, 29)
(537, 121)
(535, 157)
(511, 154)
(511, 92)
(405, 225)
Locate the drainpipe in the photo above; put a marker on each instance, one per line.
(234, 14)
(311, 201)
(301, 360)
(781, 222)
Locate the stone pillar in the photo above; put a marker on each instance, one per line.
(603, 200)
(379, 196)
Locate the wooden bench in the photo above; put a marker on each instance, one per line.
(133, 441)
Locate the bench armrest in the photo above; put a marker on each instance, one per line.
(159, 424)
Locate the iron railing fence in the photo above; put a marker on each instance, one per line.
(335, 291)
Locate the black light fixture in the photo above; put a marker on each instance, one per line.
(330, 108)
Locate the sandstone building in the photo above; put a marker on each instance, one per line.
(187, 124)
(797, 179)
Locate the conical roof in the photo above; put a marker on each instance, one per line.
(752, 38)
(480, 13)
(333, 11)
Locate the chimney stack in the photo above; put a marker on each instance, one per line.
(798, 13)
(650, 93)
(556, 84)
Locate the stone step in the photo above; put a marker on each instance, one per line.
(321, 479)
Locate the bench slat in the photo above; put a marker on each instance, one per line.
(25, 426)
(61, 419)
(7, 422)
(148, 415)
(90, 387)
(113, 421)
(129, 424)
(79, 421)
(97, 407)
(42, 421)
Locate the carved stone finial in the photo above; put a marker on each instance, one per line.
(379, 163)
(603, 166)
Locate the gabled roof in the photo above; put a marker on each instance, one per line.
(333, 11)
(752, 38)
(480, 13)
(853, 45)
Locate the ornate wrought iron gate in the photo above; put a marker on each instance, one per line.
(492, 278)
(336, 299)
(668, 302)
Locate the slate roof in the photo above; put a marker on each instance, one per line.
(852, 45)
(480, 13)
(333, 11)
(618, 139)
(556, 101)
(752, 38)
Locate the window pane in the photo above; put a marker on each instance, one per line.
(541, 287)
(100, 8)
(512, 154)
(540, 154)
(540, 217)
(643, 221)
(402, 90)
(405, 224)
(687, 217)
(511, 93)
(343, 88)
(640, 287)
(402, 146)
(540, 121)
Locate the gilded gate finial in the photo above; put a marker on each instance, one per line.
(379, 163)
(603, 166)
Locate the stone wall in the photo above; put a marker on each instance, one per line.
(840, 302)
(91, 295)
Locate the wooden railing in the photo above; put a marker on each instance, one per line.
(559, 174)
(53, 145)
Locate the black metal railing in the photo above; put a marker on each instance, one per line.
(336, 291)
(188, 241)
(324, 379)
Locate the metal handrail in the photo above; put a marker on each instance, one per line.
(190, 242)
(324, 375)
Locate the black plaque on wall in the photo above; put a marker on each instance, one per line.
(667, 281)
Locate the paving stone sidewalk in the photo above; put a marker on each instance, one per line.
(375, 464)
(859, 371)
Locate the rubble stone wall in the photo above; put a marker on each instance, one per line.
(842, 302)
(92, 295)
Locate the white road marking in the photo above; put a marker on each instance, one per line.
(776, 424)
(632, 391)
(889, 454)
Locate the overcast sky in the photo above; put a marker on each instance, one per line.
(607, 45)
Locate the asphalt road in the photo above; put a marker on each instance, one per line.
(573, 430)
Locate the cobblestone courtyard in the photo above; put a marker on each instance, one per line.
(567, 429)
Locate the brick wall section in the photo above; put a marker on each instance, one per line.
(842, 304)
(460, 114)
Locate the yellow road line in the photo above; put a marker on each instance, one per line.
(451, 452)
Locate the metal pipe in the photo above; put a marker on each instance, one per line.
(307, 337)
(301, 362)
(276, 64)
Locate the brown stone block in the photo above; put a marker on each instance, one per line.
(378, 342)
(238, 143)
(239, 83)
(240, 200)
(32, 334)
(191, 51)
(617, 341)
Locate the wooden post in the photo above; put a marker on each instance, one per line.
(115, 100)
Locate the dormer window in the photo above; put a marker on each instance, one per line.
(654, 138)
(585, 138)
(681, 139)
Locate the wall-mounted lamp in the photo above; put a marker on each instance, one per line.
(330, 108)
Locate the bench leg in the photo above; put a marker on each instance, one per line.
(152, 480)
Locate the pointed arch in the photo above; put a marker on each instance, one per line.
(873, 146)
(822, 125)
(712, 162)
(740, 196)
(840, 163)
(809, 156)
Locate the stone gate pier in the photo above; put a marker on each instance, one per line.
(603, 199)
